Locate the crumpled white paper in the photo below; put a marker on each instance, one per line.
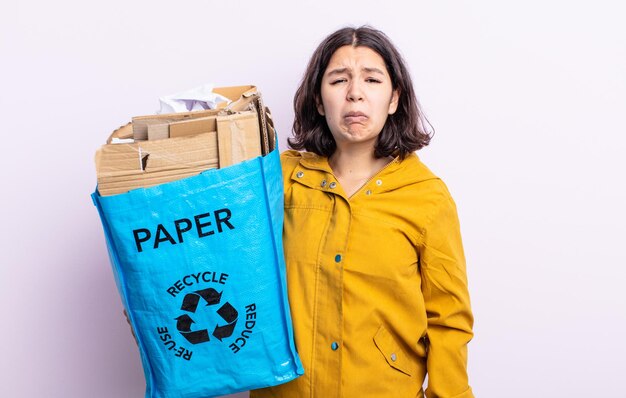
(195, 99)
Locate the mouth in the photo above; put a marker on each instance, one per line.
(355, 117)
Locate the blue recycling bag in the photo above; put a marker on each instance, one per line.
(199, 265)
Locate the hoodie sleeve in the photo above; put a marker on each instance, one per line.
(444, 286)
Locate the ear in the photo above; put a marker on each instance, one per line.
(320, 106)
(393, 105)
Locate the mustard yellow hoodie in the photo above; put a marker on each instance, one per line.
(377, 284)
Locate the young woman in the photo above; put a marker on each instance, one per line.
(375, 264)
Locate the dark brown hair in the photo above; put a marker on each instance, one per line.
(406, 131)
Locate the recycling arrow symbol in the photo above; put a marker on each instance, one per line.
(190, 304)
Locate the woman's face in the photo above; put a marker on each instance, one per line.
(356, 96)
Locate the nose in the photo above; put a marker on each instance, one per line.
(354, 92)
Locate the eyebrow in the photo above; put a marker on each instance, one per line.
(374, 70)
(339, 71)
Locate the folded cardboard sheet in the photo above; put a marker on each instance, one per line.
(122, 167)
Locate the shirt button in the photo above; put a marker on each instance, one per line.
(323, 184)
(379, 182)
(332, 185)
(338, 258)
(334, 346)
(368, 192)
(393, 357)
(300, 174)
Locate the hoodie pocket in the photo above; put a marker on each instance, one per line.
(393, 352)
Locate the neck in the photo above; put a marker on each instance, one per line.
(356, 163)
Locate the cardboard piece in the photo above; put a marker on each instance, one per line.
(159, 131)
(193, 126)
(122, 167)
(238, 134)
(238, 138)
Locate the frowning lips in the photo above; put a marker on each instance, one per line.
(355, 117)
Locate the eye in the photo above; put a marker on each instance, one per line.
(337, 81)
(373, 80)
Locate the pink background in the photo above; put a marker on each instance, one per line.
(528, 102)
